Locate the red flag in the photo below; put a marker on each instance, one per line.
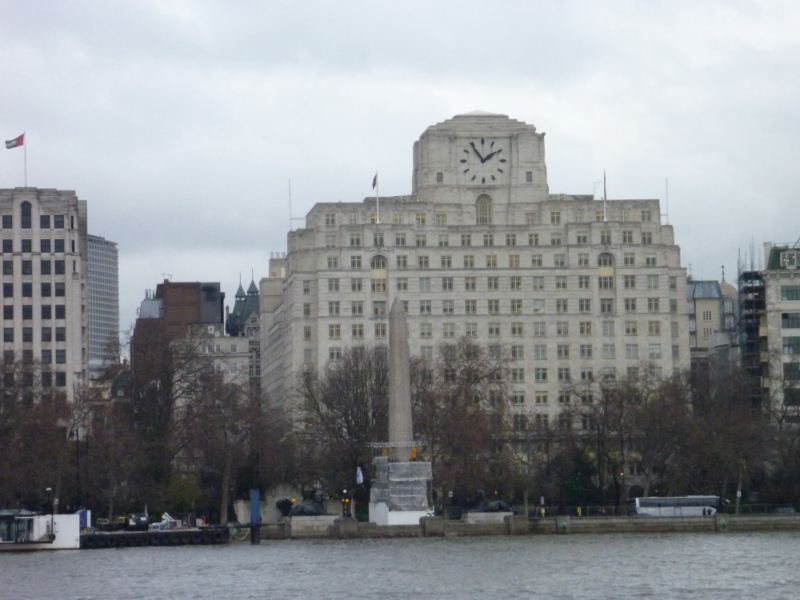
(374, 179)
(17, 141)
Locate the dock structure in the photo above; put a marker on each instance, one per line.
(175, 537)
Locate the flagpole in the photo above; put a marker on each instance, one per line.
(25, 157)
(377, 198)
(605, 199)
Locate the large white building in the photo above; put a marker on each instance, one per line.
(573, 288)
(43, 234)
(103, 297)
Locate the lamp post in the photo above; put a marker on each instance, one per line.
(52, 513)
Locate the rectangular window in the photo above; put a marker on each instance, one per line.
(563, 374)
(61, 311)
(583, 259)
(421, 240)
(443, 240)
(516, 307)
(652, 282)
(7, 222)
(334, 331)
(488, 239)
(536, 260)
(583, 282)
(654, 351)
(586, 351)
(470, 284)
(470, 307)
(357, 308)
(560, 260)
(788, 292)
(448, 330)
(425, 331)
(448, 307)
(447, 284)
(379, 308)
(47, 334)
(630, 305)
(356, 285)
(378, 286)
(585, 328)
(446, 262)
(650, 261)
(424, 307)
(629, 259)
(515, 282)
(333, 285)
(469, 261)
(606, 306)
(605, 237)
(47, 312)
(424, 284)
(401, 284)
(630, 328)
(562, 329)
(27, 312)
(59, 288)
(555, 218)
(561, 282)
(562, 351)
(27, 333)
(8, 267)
(333, 262)
(652, 305)
(400, 239)
(377, 240)
(584, 305)
(647, 238)
(609, 351)
(561, 305)
(423, 262)
(627, 237)
(58, 246)
(494, 307)
(654, 328)
(790, 320)
(540, 374)
(538, 283)
(357, 331)
(493, 283)
(605, 283)
(629, 282)
(380, 330)
(494, 329)
(355, 262)
(471, 330)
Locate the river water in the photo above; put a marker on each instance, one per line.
(708, 566)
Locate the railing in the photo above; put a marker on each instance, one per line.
(594, 511)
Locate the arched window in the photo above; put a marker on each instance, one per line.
(25, 209)
(483, 208)
(605, 260)
(378, 262)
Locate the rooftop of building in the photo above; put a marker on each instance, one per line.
(696, 290)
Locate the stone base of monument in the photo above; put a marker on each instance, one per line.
(400, 492)
(485, 517)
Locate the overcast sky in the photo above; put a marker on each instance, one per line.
(181, 123)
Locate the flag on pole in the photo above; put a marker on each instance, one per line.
(20, 140)
(374, 179)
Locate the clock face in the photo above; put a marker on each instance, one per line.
(483, 161)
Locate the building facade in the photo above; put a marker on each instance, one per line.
(187, 310)
(44, 321)
(103, 302)
(575, 290)
(781, 321)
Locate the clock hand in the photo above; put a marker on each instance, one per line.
(490, 155)
(476, 151)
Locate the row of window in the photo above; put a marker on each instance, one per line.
(513, 261)
(46, 267)
(514, 306)
(45, 246)
(46, 334)
(484, 216)
(26, 379)
(26, 220)
(442, 240)
(47, 289)
(515, 282)
(539, 329)
(47, 312)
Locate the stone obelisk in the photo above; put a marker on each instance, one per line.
(401, 432)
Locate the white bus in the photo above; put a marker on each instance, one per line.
(675, 506)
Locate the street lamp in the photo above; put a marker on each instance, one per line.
(52, 513)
